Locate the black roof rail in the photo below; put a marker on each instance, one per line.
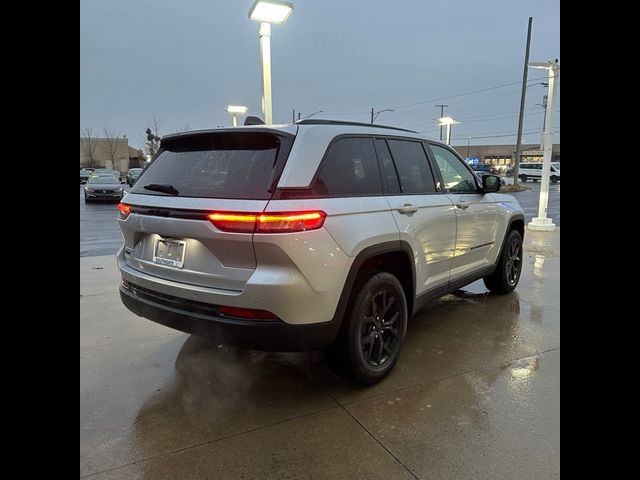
(319, 121)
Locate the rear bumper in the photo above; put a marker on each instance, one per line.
(269, 335)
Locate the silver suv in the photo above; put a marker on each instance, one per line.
(320, 234)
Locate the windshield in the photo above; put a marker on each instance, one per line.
(104, 179)
(556, 165)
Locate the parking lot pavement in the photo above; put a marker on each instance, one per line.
(99, 234)
(529, 199)
(475, 393)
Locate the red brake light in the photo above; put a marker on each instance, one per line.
(280, 222)
(247, 313)
(125, 210)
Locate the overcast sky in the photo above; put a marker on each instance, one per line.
(184, 61)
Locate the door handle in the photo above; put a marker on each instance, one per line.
(462, 204)
(407, 208)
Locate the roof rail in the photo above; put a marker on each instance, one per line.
(318, 121)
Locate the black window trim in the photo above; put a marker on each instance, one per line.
(479, 189)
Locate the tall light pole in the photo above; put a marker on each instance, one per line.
(234, 110)
(468, 143)
(268, 12)
(541, 222)
(525, 71)
(447, 121)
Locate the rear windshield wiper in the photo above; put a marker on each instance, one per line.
(164, 188)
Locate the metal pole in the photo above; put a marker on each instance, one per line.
(522, 99)
(235, 119)
(371, 116)
(265, 53)
(542, 222)
(468, 141)
(441, 115)
(448, 134)
(294, 116)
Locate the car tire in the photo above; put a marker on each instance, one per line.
(554, 179)
(360, 351)
(505, 277)
(523, 178)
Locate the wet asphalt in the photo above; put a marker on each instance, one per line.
(99, 234)
(475, 393)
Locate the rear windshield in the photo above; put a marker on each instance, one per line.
(215, 165)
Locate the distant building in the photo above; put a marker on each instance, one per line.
(503, 156)
(126, 157)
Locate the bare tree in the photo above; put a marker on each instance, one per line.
(185, 128)
(110, 147)
(152, 136)
(88, 147)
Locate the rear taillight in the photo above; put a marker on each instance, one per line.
(247, 313)
(125, 210)
(279, 222)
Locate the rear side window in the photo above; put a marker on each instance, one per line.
(413, 167)
(350, 169)
(217, 165)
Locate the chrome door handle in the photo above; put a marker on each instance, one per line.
(407, 208)
(462, 204)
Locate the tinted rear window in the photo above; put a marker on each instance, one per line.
(350, 169)
(216, 165)
(413, 167)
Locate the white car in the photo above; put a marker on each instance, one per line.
(317, 235)
(533, 171)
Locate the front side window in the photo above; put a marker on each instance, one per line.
(457, 178)
(350, 169)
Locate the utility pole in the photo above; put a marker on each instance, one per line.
(441, 115)
(468, 142)
(522, 99)
(294, 115)
(298, 115)
(371, 115)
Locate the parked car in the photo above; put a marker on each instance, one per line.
(533, 171)
(132, 175)
(103, 187)
(108, 171)
(330, 242)
(85, 173)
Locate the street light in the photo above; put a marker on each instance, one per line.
(234, 110)
(541, 222)
(311, 115)
(447, 121)
(268, 12)
(374, 115)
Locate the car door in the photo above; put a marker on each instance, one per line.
(424, 214)
(476, 213)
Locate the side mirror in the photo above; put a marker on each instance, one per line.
(490, 183)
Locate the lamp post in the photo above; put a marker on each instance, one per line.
(311, 115)
(268, 12)
(374, 114)
(541, 222)
(447, 121)
(234, 110)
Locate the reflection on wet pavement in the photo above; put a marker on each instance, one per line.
(475, 394)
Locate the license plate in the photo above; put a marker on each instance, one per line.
(169, 252)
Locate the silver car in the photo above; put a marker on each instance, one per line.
(103, 187)
(317, 235)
